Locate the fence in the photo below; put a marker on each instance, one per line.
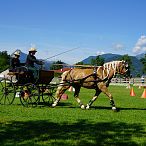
(134, 81)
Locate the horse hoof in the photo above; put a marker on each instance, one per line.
(87, 107)
(82, 106)
(114, 109)
(53, 105)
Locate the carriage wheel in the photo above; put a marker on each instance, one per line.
(48, 96)
(7, 92)
(29, 95)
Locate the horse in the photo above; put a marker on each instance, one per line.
(97, 78)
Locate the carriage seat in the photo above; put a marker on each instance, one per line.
(18, 70)
(12, 73)
(21, 74)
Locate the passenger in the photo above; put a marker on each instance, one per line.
(15, 62)
(31, 61)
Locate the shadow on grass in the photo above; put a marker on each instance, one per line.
(69, 105)
(80, 133)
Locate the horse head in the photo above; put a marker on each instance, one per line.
(122, 67)
(119, 67)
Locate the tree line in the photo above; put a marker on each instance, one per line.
(4, 60)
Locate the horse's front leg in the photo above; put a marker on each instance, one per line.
(76, 95)
(93, 99)
(104, 89)
(59, 92)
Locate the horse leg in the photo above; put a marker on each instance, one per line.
(93, 99)
(104, 89)
(76, 95)
(59, 92)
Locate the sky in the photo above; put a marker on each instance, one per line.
(92, 27)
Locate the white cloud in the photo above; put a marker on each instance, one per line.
(140, 46)
(100, 53)
(118, 46)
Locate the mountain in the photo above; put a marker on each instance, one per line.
(142, 55)
(137, 65)
(107, 57)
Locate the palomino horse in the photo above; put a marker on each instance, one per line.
(92, 78)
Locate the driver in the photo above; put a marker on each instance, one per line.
(31, 61)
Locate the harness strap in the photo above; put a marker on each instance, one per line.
(81, 81)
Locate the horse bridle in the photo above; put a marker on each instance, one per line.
(124, 65)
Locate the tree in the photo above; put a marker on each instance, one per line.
(4, 60)
(80, 63)
(98, 61)
(57, 65)
(143, 60)
(127, 58)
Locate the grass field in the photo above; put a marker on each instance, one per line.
(68, 125)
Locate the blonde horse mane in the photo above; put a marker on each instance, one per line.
(112, 64)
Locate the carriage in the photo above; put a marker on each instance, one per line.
(30, 91)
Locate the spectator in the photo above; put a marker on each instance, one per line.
(142, 80)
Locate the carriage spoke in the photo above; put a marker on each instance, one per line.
(29, 96)
(48, 96)
(1, 97)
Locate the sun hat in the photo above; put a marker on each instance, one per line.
(32, 50)
(17, 53)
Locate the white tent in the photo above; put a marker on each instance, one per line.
(4, 74)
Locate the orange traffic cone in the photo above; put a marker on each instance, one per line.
(132, 92)
(144, 94)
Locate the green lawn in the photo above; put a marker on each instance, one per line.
(67, 124)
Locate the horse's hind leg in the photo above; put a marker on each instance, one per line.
(76, 95)
(59, 92)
